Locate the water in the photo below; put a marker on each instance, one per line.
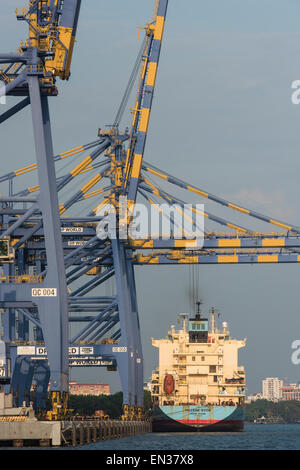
(255, 437)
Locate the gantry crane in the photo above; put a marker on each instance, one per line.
(32, 72)
(55, 265)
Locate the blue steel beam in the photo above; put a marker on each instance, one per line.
(177, 182)
(53, 311)
(14, 110)
(130, 334)
(90, 285)
(100, 332)
(33, 167)
(215, 243)
(233, 258)
(104, 314)
(171, 199)
(133, 165)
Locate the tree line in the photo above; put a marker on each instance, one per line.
(287, 412)
(112, 405)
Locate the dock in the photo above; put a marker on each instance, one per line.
(19, 427)
(34, 433)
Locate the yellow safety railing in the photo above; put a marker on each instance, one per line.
(25, 278)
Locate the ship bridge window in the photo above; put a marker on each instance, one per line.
(199, 326)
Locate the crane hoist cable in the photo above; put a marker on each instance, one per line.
(129, 86)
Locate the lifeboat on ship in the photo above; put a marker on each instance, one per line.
(169, 384)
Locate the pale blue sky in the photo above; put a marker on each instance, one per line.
(222, 119)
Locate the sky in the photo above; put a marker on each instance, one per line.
(223, 120)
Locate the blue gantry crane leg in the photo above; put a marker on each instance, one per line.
(129, 358)
(51, 298)
(53, 310)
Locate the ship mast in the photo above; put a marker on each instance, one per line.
(213, 319)
(184, 317)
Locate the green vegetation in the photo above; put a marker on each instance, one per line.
(287, 412)
(86, 405)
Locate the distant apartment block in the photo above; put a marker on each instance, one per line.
(271, 388)
(291, 392)
(89, 389)
(274, 390)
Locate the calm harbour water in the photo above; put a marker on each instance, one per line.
(255, 437)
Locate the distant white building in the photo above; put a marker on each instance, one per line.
(271, 388)
(251, 398)
(147, 386)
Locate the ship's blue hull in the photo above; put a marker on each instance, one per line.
(196, 418)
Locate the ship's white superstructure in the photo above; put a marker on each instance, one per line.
(198, 365)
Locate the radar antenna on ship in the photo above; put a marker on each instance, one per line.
(199, 303)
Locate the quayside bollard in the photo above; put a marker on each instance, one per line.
(81, 434)
(106, 431)
(94, 432)
(74, 434)
(88, 433)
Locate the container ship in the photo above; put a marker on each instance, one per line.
(198, 385)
